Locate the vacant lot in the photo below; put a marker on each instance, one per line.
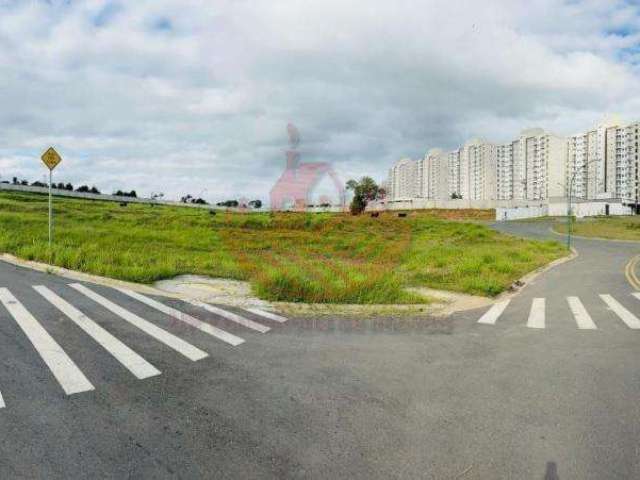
(285, 256)
(620, 228)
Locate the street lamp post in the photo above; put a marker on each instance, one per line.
(569, 201)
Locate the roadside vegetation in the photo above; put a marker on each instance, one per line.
(324, 258)
(615, 228)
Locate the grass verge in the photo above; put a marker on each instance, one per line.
(315, 258)
(614, 228)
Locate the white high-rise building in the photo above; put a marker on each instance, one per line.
(591, 161)
(422, 178)
(504, 172)
(403, 180)
(536, 166)
(436, 175)
(478, 162)
(625, 186)
(453, 166)
(531, 167)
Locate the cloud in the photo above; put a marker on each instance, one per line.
(188, 96)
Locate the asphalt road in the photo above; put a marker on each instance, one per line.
(325, 398)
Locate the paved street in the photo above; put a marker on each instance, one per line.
(101, 383)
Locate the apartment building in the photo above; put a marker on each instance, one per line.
(422, 178)
(403, 180)
(532, 167)
(626, 164)
(437, 175)
(592, 159)
(478, 163)
(504, 171)
(544, 164)
(537, 166)
(453, 166)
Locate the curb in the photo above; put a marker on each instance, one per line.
(529, 277)
(85, 277)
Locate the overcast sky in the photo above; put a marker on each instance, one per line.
(188, 96)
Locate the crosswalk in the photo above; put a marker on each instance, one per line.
(70, 376)
(582, 318)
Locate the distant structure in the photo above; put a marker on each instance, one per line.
(295, 186)
(597, 169)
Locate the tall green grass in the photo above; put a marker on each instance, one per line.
(615, 228)
(326, 258)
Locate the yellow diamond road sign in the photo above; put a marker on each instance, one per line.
(51, 158)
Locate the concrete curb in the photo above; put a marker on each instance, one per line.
(529, 277)
(84, 277)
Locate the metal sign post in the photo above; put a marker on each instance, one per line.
(51, 159)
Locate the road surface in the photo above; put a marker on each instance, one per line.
(98, 384)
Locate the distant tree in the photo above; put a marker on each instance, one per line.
(60, 186)
(69, 187)
(24, 182)
(94, 190)
(38, 184)
(15, 180)
(255, 203)
(455, 196)
(364, 191)
(120, 193)
(228, 203)
(193, 200)
(83, 189)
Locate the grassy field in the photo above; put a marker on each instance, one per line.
(619, 228)
(286, 256)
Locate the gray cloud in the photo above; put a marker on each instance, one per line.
(193, 96)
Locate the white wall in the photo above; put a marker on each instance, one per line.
(516, 213)
(589, 209)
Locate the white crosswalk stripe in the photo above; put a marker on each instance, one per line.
(269, 315)
(137, 365)
(537, 313)
(490, 317)
(582, 317)
(625, 315)
(183, 317)
(69, 376)
(245, 322)
(191, 352)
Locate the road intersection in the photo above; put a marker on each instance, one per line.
(104, 382)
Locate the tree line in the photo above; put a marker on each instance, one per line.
(70, 188)
(132, 194)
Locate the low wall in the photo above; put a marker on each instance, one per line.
(517, 213)
(458, 204)
(590, 209)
